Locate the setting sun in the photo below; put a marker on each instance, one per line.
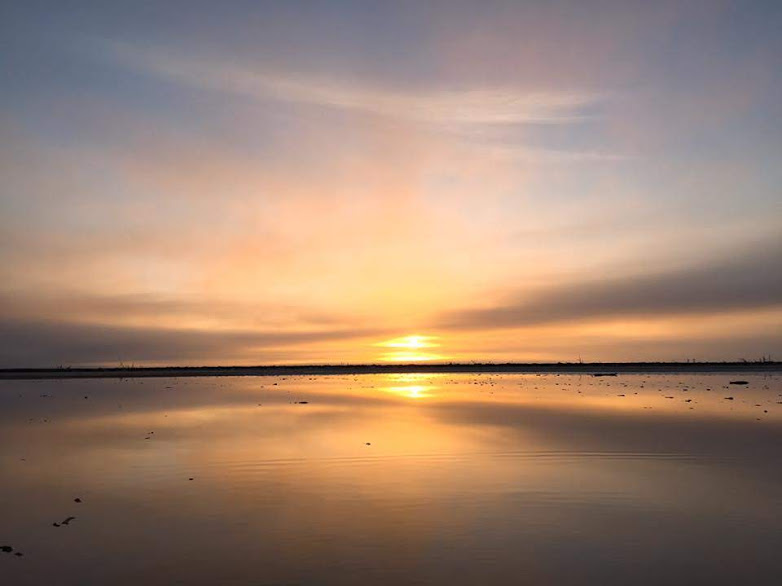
(411, 342)
(408, 349)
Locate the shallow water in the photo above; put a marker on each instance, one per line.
(393, 479)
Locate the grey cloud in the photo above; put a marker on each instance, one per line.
(751, 279)
(30, 343)
(79, 306)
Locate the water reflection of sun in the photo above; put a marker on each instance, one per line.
(412, 385)
(409, 349)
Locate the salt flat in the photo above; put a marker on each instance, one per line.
(398, 478)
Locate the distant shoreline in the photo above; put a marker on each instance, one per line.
(604, 368)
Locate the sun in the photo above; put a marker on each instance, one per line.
(408, 348)
(410, 342)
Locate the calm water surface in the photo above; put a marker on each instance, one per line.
(393, 479)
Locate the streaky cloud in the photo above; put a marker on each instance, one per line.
(443, 107)
(748, 280)
(38, 343)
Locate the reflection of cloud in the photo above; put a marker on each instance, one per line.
(751, 280)
(600, 429)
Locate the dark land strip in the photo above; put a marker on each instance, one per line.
(594, 368)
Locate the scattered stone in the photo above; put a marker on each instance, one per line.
(368, 444)
(190, 479)
(728, 398)
(77, 500)
(6, 549)
(18, 554)
(68, 520)
(739, 382)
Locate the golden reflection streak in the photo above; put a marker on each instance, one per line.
(410, 386)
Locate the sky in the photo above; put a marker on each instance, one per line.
(328, 182)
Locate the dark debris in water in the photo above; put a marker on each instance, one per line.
(67, 521)
(9, 549)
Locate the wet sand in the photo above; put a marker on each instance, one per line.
(393, 478)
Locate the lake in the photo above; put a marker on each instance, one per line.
(393, 479)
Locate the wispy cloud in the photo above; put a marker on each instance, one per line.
(746, 281)
(50, 343)
(442, 107)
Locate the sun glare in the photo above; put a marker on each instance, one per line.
(412, 385)
(410, 342)
(407, 349)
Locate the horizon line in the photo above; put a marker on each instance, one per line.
(604, 368)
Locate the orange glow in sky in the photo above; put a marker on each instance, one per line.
(408, 349)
